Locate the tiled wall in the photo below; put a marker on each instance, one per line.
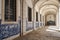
(37, 24)
(29, 26)
(41, 24)
(7, 30)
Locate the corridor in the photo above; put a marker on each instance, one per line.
(40, 34)
(29, 19)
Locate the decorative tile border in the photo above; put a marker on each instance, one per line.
(7, 30)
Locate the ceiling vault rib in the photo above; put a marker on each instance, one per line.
(51, 8)
(48, 4)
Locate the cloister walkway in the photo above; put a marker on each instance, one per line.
(39, 34)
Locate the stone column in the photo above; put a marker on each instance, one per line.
(34, 19)
(44, 20)
(21, 14)
(59, 17)
(39, 17)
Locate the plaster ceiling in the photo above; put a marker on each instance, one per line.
(45, 6)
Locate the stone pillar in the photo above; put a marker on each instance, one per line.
(44, 20)
(40, 20)
(21, 14)
(59, 17)
(39, 17)
(34, 18)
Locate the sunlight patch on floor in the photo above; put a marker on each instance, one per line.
(53, 30)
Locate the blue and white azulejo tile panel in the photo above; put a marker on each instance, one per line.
(37, 24)
(7, 30)
(29, 26)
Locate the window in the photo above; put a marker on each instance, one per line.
(29, 14)
(36, 16)
(10, 10)
(40, 17)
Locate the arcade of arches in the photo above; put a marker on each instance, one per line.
(30, 19)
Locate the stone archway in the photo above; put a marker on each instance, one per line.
(50, 19)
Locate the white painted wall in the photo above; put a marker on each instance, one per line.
(18, 9)
(0, 8)
(50, 17)
(26, 4)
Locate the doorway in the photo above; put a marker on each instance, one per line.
(50, 19)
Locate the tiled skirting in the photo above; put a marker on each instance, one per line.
(37, 24)
(29, 26)
(7, 30)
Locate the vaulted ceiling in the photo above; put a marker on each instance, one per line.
(45, 6)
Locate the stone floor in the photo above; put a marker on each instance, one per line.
(40, 34)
